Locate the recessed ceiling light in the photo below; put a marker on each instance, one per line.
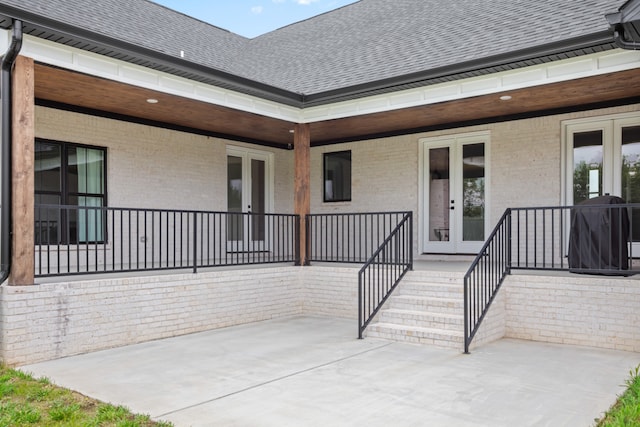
(152, 101)
(505, 97)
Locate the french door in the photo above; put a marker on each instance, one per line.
(603, 157)
(249, 196)
(454, 182)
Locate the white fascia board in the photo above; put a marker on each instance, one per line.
(558, 71)
(74, 59)
(553, 72)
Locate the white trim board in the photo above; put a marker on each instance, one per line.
(93, 64)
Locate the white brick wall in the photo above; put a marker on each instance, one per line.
(150, 167)
(331, 291)
(53, 320)
(144, 165)
(493, 327)
(525, 167)
(578, 310)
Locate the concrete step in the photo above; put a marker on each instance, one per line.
(417, 335)
(429, 304)
(434, 278)
(428, 289)
(423, 319)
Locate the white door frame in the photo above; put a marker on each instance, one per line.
(248, 154)
(455, 245)
(611, 126)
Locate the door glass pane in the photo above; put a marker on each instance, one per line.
(473, 191)
(235, 229)
(631, 174)
(258, 194)
(439, 194)
(587, 165)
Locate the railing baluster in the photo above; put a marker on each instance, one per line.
(385, 268)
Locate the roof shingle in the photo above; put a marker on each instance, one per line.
(366, 41)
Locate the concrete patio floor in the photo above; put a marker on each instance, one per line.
(309, 371)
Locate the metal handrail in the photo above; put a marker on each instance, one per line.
(485, 275)
(348, 237)
(382, 272)
(92, 239)
(586, 238)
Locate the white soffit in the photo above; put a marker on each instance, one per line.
(89, 63)
(558, 71)
(70, 58)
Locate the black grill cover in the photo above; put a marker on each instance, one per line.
(599, 236)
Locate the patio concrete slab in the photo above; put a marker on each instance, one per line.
(309, 371)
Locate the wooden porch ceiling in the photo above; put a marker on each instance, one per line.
(118, 99)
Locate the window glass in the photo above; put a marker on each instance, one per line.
(337, 176)
(47, 168)
(631, 174)
(587, 165)
(473, 173)
(235, 225)
(68, 174)
(439, 196)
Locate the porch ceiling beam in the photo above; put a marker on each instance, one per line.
(23, 158)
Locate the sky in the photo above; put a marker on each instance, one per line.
(251, 18)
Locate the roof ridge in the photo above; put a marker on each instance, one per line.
(304, 20)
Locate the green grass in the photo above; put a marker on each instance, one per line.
(626, 411)
(25, 401)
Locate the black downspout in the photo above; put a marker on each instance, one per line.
(8, 59)
(621, 42)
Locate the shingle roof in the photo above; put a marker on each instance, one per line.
(378, 39)
(367, 41)
(143, 23)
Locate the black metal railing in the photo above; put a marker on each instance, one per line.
(383, 271)
(594, 239)
(348, 237)
(86, 239)
(484, 277)
(590, 239)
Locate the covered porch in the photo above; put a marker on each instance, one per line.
(55, 94)
(172, 145)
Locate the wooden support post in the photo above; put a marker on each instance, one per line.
(23, 144)
(302, 188)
